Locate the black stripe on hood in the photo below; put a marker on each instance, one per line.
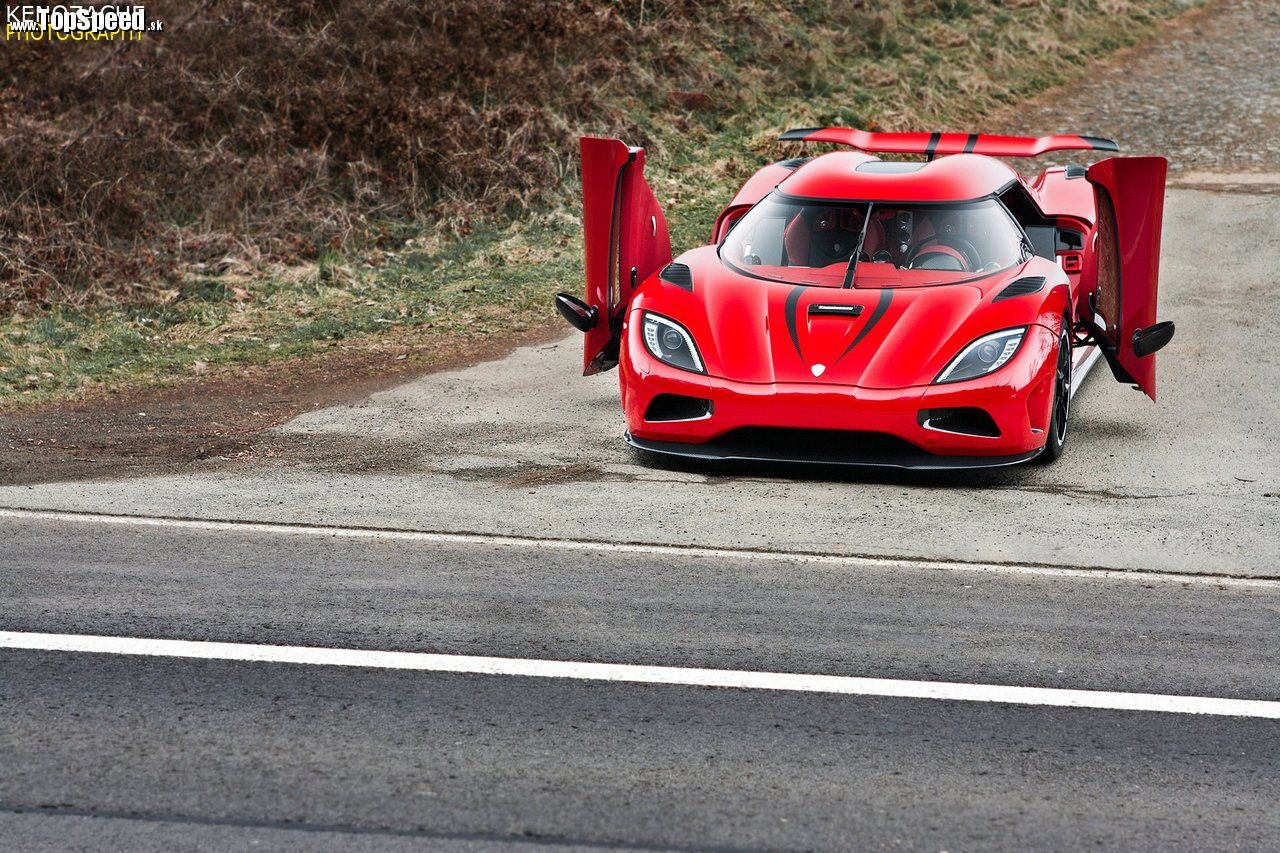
(793, 303)
(886, 296)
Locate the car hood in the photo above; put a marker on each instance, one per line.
(753, 330)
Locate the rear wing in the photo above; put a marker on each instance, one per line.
(930, 144)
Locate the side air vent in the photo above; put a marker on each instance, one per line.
(1021, 287)
(677, 407)
(793, 163)
(679, 275)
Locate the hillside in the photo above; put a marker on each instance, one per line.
(265, 178)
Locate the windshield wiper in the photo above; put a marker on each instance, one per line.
(852, 269)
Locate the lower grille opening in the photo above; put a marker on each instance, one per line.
(677, 407)
(814, 445)
(967, 421)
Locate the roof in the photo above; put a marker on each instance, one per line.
(957, 177)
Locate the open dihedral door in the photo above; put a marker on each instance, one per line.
(625, 240)
(1130, 205)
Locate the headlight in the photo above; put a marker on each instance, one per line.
(668, 341)
(984, 355)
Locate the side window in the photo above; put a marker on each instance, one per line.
(1040, 231)
(764, 243)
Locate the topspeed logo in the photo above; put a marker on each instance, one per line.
(76, 23)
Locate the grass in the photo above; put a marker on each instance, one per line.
(491, 285)
(943, 64)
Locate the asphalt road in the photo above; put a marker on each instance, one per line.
(152, 753)
(1158, 635)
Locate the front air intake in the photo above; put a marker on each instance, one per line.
(965, 421)
(793, 163)
(679, 275)
(677, 407)
(1021, 287)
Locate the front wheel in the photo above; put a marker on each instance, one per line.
(1057, 439)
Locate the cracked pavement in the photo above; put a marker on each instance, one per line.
(526, 446)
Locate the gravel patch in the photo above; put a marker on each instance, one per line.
(1205, 94)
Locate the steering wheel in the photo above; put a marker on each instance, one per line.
(942, 258)
(955, 247)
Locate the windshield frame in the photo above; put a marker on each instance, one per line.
(779, 194)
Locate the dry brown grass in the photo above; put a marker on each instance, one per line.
(265, 128)
(272, 130)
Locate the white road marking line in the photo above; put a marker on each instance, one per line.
(866, 561)
(637, 674)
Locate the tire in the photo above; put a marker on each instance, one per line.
(1056, 441)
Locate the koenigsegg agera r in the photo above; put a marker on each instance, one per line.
(938, 313)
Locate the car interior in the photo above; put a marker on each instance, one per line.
(969, 239)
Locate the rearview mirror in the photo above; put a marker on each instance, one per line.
(1152, 338)
(579, 314)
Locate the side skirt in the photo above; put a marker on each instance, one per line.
(1086, 358)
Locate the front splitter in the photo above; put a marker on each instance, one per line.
(721, 451)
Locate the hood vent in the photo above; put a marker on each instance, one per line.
(1021, 287)
(679, 275)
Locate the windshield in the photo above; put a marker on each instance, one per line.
(807, 242)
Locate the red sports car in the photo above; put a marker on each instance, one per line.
(851, 310)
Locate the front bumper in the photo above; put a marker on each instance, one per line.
(840, 424)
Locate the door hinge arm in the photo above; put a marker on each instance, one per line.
(1082, 335)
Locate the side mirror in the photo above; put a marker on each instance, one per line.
(579, 314)
(1152, 338)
